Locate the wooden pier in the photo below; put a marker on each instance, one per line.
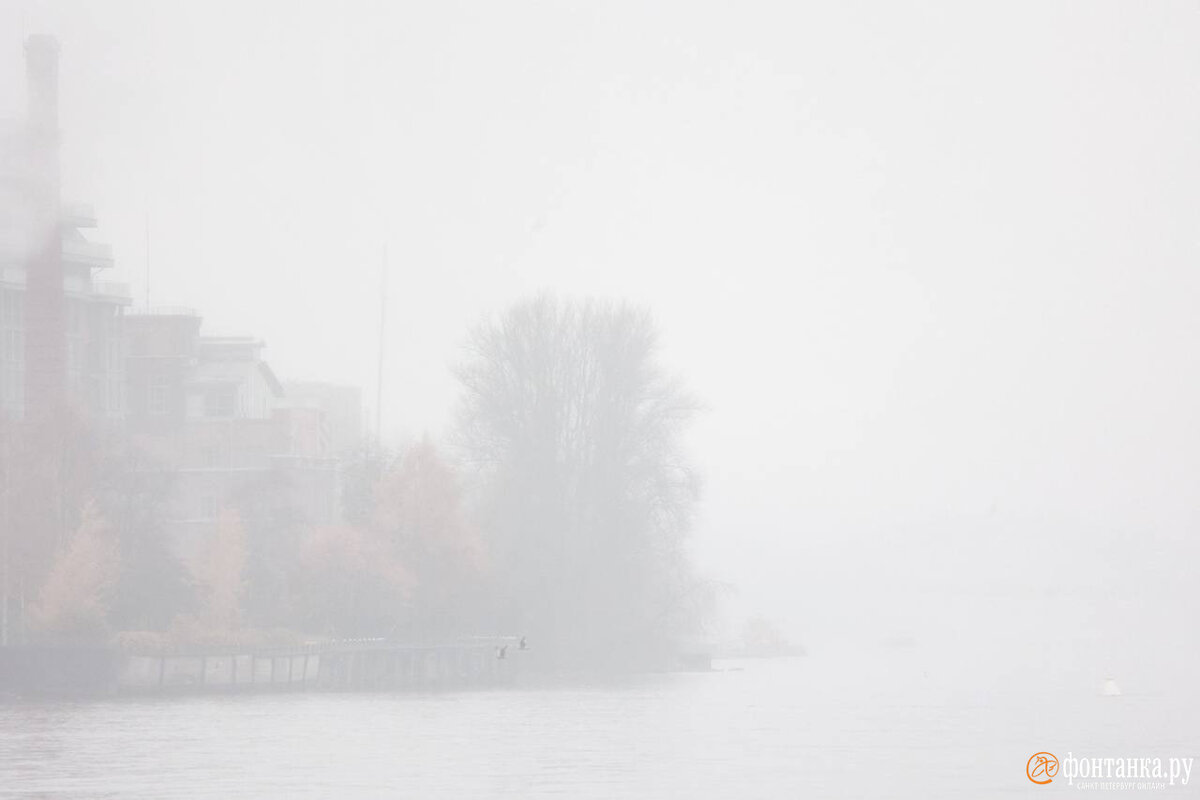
(359, 665)
(340, 666)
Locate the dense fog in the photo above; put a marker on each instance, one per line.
(531, 343)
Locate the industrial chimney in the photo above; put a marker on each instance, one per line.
(45, 303)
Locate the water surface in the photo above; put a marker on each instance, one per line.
(892, 723)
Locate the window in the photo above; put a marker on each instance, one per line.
(157, 403)
(113, 403)
(10, 346)
(10, 387)
(208, 507)
(11, 339)
(220, 401)
(213, 455)
(11, 310)
(76, 319)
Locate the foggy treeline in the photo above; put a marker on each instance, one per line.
(557, 509)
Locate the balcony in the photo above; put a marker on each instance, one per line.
(163, 311)
(79, 215)
(12, 276)
(88, 254)
(112, 290)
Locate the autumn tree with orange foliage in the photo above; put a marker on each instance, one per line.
(420, 513)
(353, 583)
(221, 574)
(409, 565)
(74, 601)
(48, 469)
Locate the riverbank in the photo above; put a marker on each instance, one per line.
(332, 666)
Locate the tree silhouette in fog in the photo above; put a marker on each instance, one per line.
(574, 428)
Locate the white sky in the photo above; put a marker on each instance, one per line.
(933, 266)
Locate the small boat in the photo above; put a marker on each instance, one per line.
(1110, 688)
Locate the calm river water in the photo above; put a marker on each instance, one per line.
(886, 724)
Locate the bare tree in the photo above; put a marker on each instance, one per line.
(575, 428)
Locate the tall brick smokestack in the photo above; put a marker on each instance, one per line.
(45, 303)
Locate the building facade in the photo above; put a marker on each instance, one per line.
(210, 412)
(60, 319)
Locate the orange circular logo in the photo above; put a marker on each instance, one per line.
(1041, 767)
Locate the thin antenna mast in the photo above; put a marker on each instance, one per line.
(383, 276)
(147, 256)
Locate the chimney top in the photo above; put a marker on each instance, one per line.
(41, 71)
(41, 49)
